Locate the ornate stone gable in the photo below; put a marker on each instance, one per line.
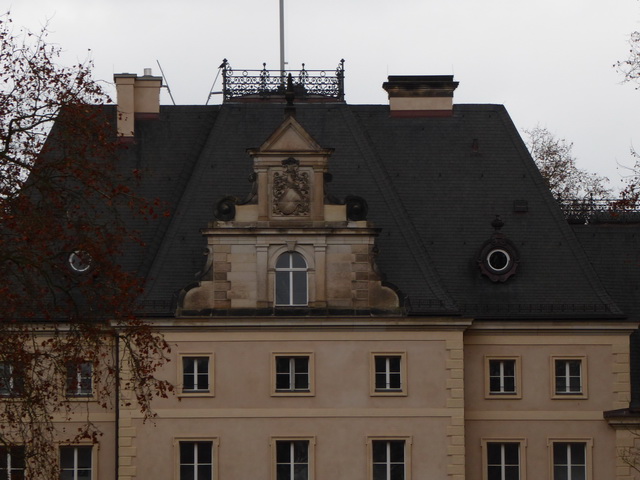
(286, 248)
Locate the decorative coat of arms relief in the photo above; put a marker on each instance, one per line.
(291, 190)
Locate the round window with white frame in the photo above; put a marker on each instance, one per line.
(498, 260)
(291, 286)
(80, 261)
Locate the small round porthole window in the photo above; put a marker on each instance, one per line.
(80, 261)
(498, 260)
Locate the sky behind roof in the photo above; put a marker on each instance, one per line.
(550, 62)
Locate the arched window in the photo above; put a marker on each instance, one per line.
(291, 279)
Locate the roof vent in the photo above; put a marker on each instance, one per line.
(420, 95)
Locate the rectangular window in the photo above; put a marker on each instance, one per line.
(11, 463)
(568, 376)
(75, 463)
(292, 460)
(502, 377)
(196, 460)
(388, 373)
(80, 379)
(11, 380)
(293, 373)
(503, 461)
(388, 460)
(569, 461)
(195, 374)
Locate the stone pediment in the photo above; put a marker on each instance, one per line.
(290, 137)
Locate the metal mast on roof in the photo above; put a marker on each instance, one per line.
(282, 62)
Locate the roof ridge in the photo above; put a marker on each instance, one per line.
(392, 198)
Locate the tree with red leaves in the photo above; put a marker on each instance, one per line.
(70, 343)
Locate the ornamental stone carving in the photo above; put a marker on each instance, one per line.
(291, 190)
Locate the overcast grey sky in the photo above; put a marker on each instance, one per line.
(550, 62)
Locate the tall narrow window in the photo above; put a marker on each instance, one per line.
(502, 377)
(79, 379)
(291, 280)
(195, 374)
(196, 460)
(569, 461)
(75, 463)
(292, 460)
(568, 377)
(11, 463)
(292, 374)
(388, 458)
(503, 461)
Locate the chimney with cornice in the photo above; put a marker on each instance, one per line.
(138, 98)
(420, 95)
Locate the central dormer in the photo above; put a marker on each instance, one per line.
(289, 248)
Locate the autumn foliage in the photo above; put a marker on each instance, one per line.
(66, 302)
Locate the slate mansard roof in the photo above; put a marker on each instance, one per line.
(433, 185)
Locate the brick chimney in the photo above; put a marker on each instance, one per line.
(138, 98)
(420, 95)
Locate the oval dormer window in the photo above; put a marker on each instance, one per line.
(291, 280)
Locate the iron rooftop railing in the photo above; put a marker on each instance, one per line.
(600, 210)
(268, 83)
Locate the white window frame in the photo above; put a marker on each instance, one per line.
(503, 395)
(311, 441)
(292, 391)
(522, 457)
(290, 270)
(568, 394)
(387, 391)
(80, 381)
(588, 465)
(196, 392)
(406, 455)
(9, 472)
(76, 469)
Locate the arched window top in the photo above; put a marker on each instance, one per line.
(291, 280)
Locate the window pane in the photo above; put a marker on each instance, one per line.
(186, 453)
(300, 472)
(204, 452)
(380, 472)
(301, 364)
(511, 455)
(204, 472)
(560, 473)
(560, 453)
(578, 453)
(66, 457)
(494, 472)
(282, 288)
(299, 288)
(301, 451)
(397, 450)
(397, 472)
(379, 450)
(187, 472)
(494, 454)
(298, 260)
(283, 452)
(512, 473)
(381, 381)
(301, 381)
(284, 261)
(578, 473)
(84, 457)
(394, 381)
(394, 364)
